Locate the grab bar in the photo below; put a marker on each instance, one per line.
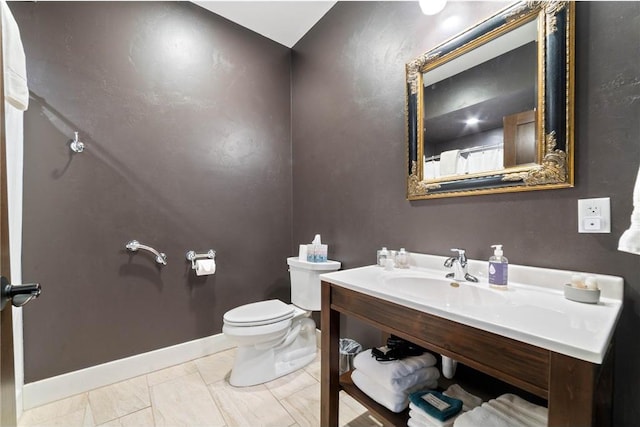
(134, 245)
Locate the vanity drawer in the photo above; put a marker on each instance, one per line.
(523, 365)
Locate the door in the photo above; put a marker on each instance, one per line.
(7, 371)
(10, 294)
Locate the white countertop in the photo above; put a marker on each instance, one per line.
(532, 310)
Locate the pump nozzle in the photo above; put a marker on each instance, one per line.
(498, 250)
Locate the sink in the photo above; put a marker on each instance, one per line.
(532, 310)
(444, 292)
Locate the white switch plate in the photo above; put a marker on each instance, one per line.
(594, 215)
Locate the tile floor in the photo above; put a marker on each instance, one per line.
(196, 393)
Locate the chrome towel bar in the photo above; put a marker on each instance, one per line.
(134, 245)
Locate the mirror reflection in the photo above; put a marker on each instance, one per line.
(479, 109)
(491, 109)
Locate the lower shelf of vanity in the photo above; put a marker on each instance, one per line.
(475, 382)
(378, 411)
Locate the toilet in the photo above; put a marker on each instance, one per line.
(275, 338)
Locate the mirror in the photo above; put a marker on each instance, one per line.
(491, 110)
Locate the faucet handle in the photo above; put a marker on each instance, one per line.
(462, 257)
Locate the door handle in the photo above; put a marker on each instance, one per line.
(19, 295)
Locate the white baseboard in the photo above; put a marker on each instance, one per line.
(55, 388)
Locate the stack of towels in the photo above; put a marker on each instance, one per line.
(507, 410)
(432, 408)
(389, 383)
(426, 411)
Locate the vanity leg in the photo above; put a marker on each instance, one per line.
(572, 386)
(329, 361)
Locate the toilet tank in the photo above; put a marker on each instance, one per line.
(305, 281)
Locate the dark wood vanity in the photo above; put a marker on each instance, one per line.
(577, 392)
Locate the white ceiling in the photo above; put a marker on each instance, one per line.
(282, 21)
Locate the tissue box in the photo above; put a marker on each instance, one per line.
(589, 296)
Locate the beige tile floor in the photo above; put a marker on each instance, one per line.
(196, 393)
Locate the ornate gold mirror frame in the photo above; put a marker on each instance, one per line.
(553, 116)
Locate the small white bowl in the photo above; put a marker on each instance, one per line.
(589, 296)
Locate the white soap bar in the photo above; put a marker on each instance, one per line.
(591, 283)
(435, 402)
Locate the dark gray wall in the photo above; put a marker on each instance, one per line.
(349, 155)
(187, 125)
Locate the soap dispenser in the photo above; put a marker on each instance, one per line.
(498, 269)
(402, 259)
(383, 254)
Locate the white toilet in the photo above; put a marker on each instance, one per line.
(275, 338)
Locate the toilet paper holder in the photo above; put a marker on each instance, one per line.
(193, 256)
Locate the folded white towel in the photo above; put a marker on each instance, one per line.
(474, 162)
(15, 68)
(493, 159)
(469, 401)
(513, 417)
(516, 403)
(423, 417)
(449, 162)
(387, 372)
(481, 417)
(428, 375)
(431, 169)
(395, 402)
(509, 411)
(462, 165)
(414, 422)
(522, 418)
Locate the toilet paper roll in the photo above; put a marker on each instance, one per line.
(205, 267)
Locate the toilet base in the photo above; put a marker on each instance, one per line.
(254, 365)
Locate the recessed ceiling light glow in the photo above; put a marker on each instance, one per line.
(431, 7)
(452, 22)
(472, 121)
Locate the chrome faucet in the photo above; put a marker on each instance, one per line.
(459, 264)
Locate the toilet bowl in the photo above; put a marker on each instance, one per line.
(275, 338)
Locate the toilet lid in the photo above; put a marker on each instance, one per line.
(259, 313)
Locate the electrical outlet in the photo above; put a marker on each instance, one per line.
(594, 215)
(592, 224)
(593, 209)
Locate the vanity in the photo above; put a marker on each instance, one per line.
(528, 336)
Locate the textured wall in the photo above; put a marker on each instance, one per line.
(349, 155)
(187, 125)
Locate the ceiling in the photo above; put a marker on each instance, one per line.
(285, 22)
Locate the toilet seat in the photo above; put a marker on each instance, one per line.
(260, 313)
(269, 331)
